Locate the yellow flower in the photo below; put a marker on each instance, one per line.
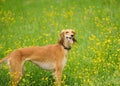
(108, 40)
(3, 19)
(92, 37)
(64, 77)
(23, 80)
(96, 18)
(70, 13)
(46, 78)
(3, 0)
(43, 78)
(99, 24)
(107, 18)
(1, 46)
(97, 43)
(50, 14)
(27, 74)
(8, 51)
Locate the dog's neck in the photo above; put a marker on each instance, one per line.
(65, 45)
(66, 48)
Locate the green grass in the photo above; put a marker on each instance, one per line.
(93, 61)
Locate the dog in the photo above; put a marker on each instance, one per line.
(50, 57)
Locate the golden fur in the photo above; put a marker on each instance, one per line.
(50, 57)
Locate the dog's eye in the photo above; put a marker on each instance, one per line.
(67, 37)
(67, 32)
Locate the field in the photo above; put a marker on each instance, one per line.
(93, 61)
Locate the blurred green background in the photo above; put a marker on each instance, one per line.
(93, 61)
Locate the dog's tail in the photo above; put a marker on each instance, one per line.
(4, 59)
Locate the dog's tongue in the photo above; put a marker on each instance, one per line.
(71, 41)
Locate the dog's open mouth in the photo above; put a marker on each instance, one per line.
(70, 41)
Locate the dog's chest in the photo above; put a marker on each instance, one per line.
(45, 65)
(64, 62)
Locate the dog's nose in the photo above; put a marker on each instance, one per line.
(72, 35)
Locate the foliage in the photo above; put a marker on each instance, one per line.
(93, 61)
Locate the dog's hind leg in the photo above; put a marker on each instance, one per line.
(16, 73)
(15, 63)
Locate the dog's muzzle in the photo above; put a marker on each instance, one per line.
(70, 39)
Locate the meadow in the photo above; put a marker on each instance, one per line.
(93, 61)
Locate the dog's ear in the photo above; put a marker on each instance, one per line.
(62, 34)
(61, 38)
(73, 32)
(74, 40)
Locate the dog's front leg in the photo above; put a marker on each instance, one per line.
(58, 75)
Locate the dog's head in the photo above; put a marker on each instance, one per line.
(67, 36)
